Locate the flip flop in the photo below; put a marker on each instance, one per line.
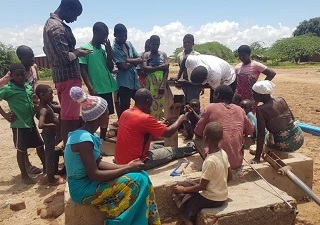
(34, 170)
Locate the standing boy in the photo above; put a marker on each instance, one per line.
(49, 123)
(96, 69)
(212, 191)
(126, 58)
(59, 46)
(18, 94)
(190, 91)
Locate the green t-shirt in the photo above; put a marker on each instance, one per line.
(99, 75)
(20, 103)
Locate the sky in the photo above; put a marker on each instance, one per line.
(229, 22)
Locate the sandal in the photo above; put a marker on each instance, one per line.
(34, 170)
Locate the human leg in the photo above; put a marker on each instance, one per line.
(109, 99)
(160, 155)
(125, 95)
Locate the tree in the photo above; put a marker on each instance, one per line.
(295, 49)
(211, 48)
(308, 27)
(7, 56)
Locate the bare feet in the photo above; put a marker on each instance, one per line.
(28, 180)
(57, 182)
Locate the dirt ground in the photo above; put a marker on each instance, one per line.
(299, 87)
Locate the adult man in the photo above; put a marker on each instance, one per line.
(136, 129)
(59, 46)
(96, 69)
(234, 121)
(126, 58)
(209, 69)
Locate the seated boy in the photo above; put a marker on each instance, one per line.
(247, 106)
(193, 116)
(212, 191)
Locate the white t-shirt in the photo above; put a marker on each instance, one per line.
(219, 71)
(215, 169)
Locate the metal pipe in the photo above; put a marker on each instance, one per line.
(302, 185)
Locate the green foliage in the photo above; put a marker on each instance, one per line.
(308, 27)
(7, 56)
(211, 48)
(295, 49)
(45, 74)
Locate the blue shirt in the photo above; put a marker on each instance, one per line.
(253, 120)
(128, 78)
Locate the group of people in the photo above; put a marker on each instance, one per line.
(123, 190)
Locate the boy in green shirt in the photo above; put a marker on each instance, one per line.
(19, 96)
(96, 69)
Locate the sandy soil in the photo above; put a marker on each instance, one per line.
(299, 87)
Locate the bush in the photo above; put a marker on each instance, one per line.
(45, 74)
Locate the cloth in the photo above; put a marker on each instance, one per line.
(182, 55)
(70, 110)
(31, 77)
(215, 170)
(129, 199)
(135, 132)
(92, 107)
(128, 78)
(288, 140)
(219, 71)
(59, 45)
(253, 120)
(235, 124)
(264, 87)
(154, 81)
(99, 75)
(108, 97)
(20, 102)
(124, 96)
(24, 138)
(247, 76)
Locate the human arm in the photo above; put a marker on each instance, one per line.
(5, 79)
(270, 74)
(86, 80)
(230, 176)
(108, 49)
(195, 188)
(42, 118)
(261, 124)
(9, 116)
(85, 150)
(174, 127)
(182, 69)
(203, 121)
(109, 166)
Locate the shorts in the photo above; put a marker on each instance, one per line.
(24, 138)
(70, 110)
(108, 97)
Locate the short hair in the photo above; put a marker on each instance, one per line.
(99, 27)
(22, 50)
(16, 66)
(244, 49)
(189, 36)
(75, 5)
(199, 74)
(154, 38)
(142, 95)
(214, 131)
(42, 89)
(224, 93)
(119, 28)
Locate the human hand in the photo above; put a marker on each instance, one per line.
(136, 165)
(80, 52)
(107, 45)
(36, 100)
(178, 189)
(10, 117)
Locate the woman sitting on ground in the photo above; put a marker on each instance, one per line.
(276, 116)
(124, 192)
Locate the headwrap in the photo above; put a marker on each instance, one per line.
(91, 106)
(264, 87)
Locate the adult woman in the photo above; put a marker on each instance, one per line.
(113, 188)
(275, 116)
(156, 65)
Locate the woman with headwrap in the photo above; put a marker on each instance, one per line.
(275, 116)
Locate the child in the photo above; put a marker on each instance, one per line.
(212, 190)
(247, 106)
(236, 99)
(18, 94)
(49, 123)
(193, 117)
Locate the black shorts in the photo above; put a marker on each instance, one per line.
(24, 138)
(108, 97)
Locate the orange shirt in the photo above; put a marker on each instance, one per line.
(135, 132)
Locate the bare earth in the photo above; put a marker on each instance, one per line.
(299, 87)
